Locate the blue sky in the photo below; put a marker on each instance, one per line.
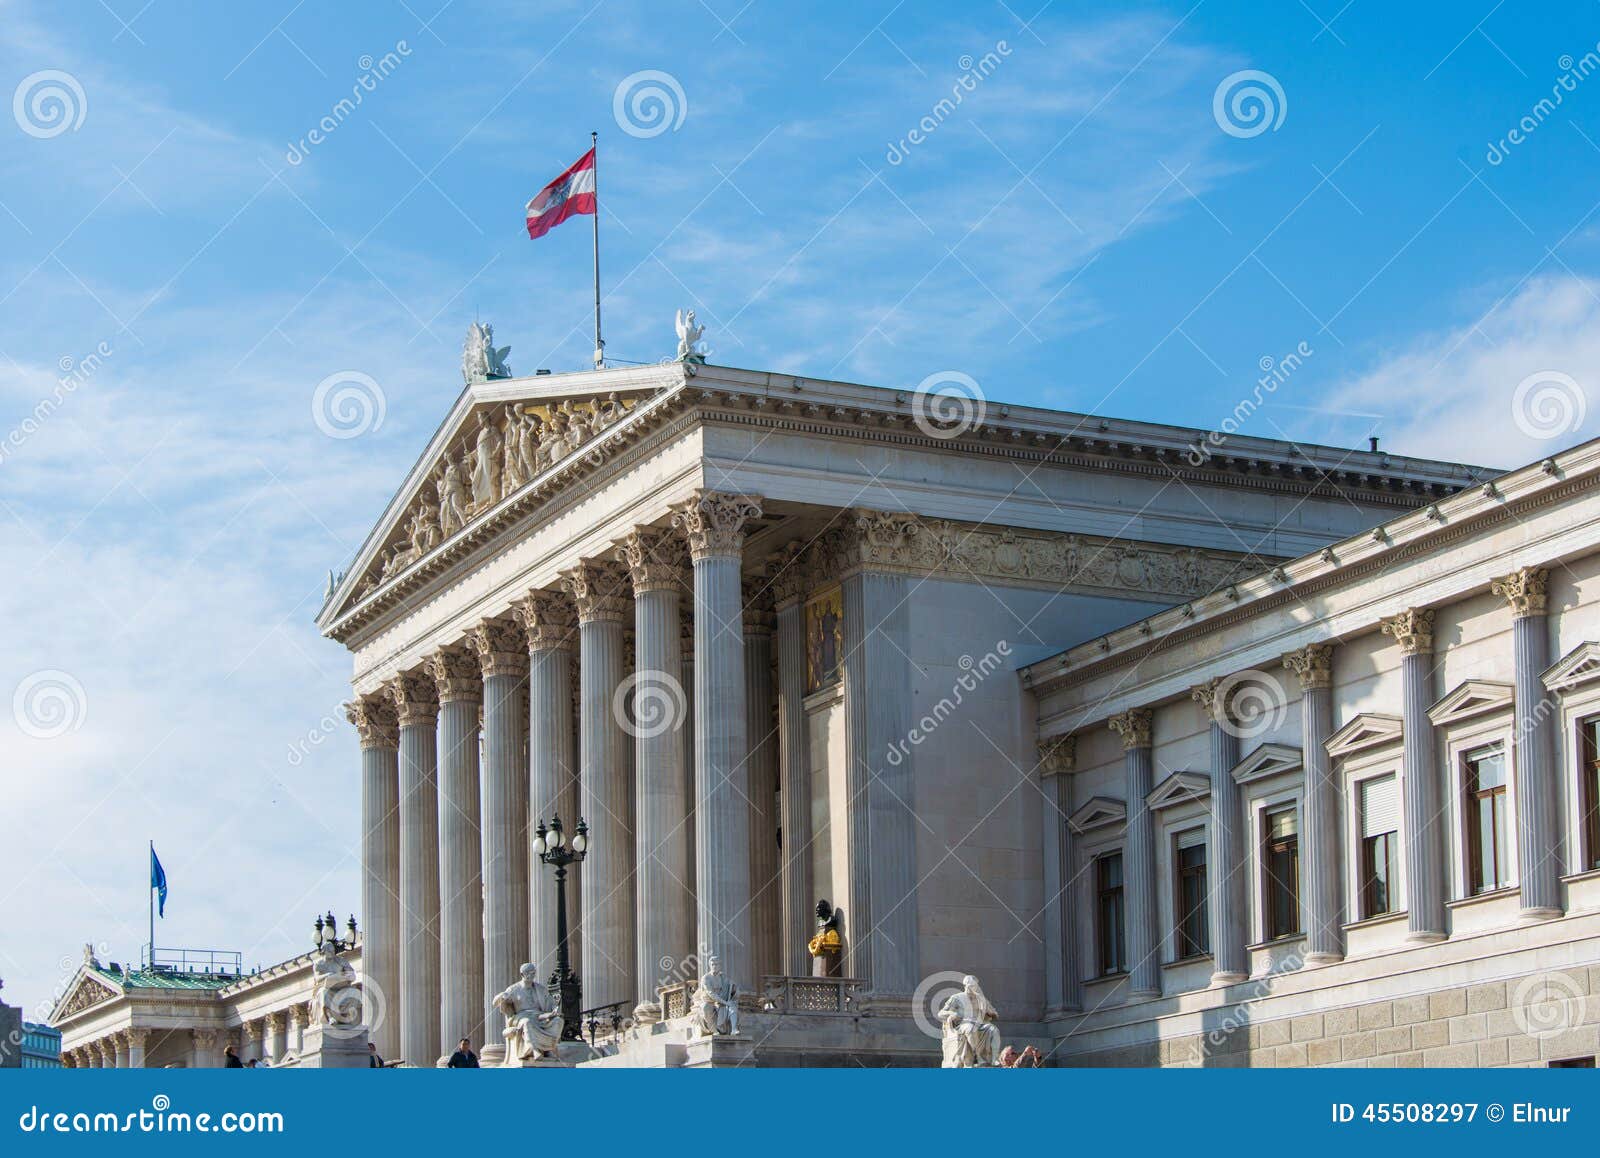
(1082, 231)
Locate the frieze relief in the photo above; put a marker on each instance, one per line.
(88, 992)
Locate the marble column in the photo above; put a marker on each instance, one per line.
(551, 625)
(1139, 853)
(1322, 842)
(600, 588)
(766, 893)
(664, 921)
(297, 1027)
(794, 762)
(1539, 841)
(881, 935)
(375, 723)
(137, 1039)
(205, 1048)
(503, 660)
(1425, 844)
(686, 733)
(462, 1010)
(417, 707)
(1228, 863)
(119, 1051)
(714, 524)
(273, 1038)
(1063, 986)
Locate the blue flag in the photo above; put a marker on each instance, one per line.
(158, 881)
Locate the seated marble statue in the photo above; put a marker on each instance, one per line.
(971, 1037)
(533, 1020)
(334, 997)
(715, 1004)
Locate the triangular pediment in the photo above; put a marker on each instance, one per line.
(1579, 666)
(1099, 812)
(1368, 730)
(1179, 788)
(1267, 760)
(1471, 698)
(87, 990)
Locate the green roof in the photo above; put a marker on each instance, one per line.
(170, 979)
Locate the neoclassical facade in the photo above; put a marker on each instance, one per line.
(761, 634)
(1346, 812)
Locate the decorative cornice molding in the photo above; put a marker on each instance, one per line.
(416, 699)
(374, 720)
(1524, 589)
(656, 560)
(600, 590)
(1412, 629)
(548, 618)
(457, 674)
(714, 522)
(501, 647)
(1312, 665)
(1058, 755)
(1133, 726)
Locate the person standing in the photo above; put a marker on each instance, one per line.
(230, 1059)
(463, 1058)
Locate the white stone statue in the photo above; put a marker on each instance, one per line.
(454, 503)
(480, 361)
(486, 464)
(715, 1004)
(335, 1000)
(533, 1020)
(689, 336)
(971, 1037)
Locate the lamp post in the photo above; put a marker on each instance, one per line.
(553, 848)
(327, 930)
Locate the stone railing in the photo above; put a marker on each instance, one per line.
(839, 996)
(674, 999)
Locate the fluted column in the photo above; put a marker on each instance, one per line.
(766, 893)
(794, 762)
(457, 676)
(714, 524)
(1063, 988)
(374, 720)
(1538, 778)
(1229, 926)
(136, 1047)
(1425, 877)
(119, 1051)
(1139, 853)
(665, 905)
(503, 660)
(205, 1047)
(417, 706)
(600, 591)
(273, 1037)
(551, 624)
(1322, 843)
(686, 651)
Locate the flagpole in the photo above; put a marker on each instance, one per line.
(599, 345)
(150, 896)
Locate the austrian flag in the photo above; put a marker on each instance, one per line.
(568, 195)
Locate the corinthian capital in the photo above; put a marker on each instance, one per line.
(599, 589)
(786, 565)
(416, 700)
(655, 560)
(1133, 726)
(549, 619)
(1058, 754)
(1312, 665)
(1524, 590)
(456, 673)
(756, 594)
(883, 536)
(1412, 630)
(374, 720)
(501, 647)
(714, 521)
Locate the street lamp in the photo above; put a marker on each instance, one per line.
(326, 930)
(553, 848)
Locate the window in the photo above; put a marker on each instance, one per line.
(1380, 823)
(1572, 1063)
(1590, 793)
(1189, 899)
(1281, 864)
(1487, 850)
(1108, 913)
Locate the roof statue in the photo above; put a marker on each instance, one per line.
(689, 335)
(480, 361)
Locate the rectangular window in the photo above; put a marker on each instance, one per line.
(1488, 855)
(1189, 897)
(1589, 795)
(1380, 825)
(1280, 861)
(1108, 913)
